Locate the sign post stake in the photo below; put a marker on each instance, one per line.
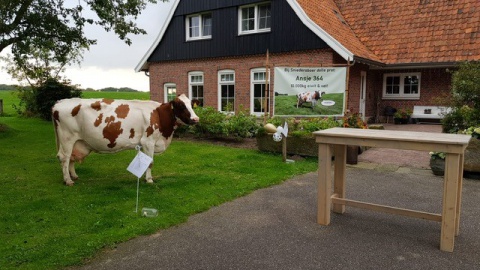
(267, 90)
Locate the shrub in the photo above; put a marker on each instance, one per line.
(304, 126)
(215, 124)
(211, 122)
(26, 106)
(241, 125)
(49, 92)
(38, 101)
(465, 98)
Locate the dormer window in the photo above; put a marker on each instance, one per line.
(254, 18)
(199, 26)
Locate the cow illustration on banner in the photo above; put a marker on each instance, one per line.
(310, 91)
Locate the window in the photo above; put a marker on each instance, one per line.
(226, 86)
(195, 85)
(170, 90)
(254, 19)
(257, 91)
(199, 26)
(401, 86)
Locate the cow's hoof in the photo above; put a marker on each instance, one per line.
(149, 181)
(74, 177)
(69, 183)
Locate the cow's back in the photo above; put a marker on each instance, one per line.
(106, 125)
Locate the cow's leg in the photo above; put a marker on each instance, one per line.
(71, 169)
(148, 149)
(79, 152)
(64, 154)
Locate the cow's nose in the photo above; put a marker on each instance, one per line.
(195, 120)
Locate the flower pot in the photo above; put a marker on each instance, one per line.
(352, 154)
(401, 121)
(438, 166)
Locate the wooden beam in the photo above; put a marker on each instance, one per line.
(386, 209)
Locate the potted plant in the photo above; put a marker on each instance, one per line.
(353, 120)
(437, 163)
(471, 158)
(402, 116)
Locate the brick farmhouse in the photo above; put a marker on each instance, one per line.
(400, 53)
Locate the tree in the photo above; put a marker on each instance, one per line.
(465, 98)
(53, 26)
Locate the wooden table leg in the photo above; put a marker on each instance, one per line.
(340, 152)
(324, 183)
(459, 195)
(450, 191)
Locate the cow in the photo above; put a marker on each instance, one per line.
(109, 126)
(312, 97)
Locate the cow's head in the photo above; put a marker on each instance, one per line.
(182, 109)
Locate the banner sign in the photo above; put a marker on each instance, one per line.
(309, 91)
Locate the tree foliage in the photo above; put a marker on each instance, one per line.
(465, 98)
(38, 100)
(55, 28)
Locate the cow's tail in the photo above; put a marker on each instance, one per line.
(55, 126)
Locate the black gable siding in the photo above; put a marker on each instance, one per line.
(288, 33)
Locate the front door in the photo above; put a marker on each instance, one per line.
(363, 93)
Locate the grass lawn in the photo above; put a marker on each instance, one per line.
(47, 225)
(287, 105)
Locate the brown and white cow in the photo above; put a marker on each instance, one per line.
(109, 126)
(312, 97)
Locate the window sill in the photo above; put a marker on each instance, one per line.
(200, 38)
(254, 32)
(400, 98)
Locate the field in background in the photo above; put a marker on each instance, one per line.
(9, 98)
(287, 105)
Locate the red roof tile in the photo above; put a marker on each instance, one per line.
(401, 32)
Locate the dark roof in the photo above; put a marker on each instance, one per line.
(388, 32)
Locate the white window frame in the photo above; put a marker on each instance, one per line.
(166, 86)
(192, 83)
(257, 28)
(201, 17)
(220, 83)
(401, 94)
(253, 82)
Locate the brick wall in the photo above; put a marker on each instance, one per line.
(435, 85)
(434, 82)
(177, 72)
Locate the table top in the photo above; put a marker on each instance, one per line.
(395, 135)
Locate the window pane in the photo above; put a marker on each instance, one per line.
(410, 85)
(207, 25)
(171, 93)
(226, 77)
(259, 100)
(264, 17)
(258, 90)
(259, 76)
(194, 27)
(248, 19)
(393, 85)
(196, 78)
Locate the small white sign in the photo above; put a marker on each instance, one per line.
(328, 103)
(285, 129)
(139, 164)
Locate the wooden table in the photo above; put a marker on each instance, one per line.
(334, 141)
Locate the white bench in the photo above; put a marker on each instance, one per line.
(429, 112)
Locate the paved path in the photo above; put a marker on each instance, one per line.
(275, 228)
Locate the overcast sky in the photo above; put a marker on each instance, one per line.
(111, 62)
